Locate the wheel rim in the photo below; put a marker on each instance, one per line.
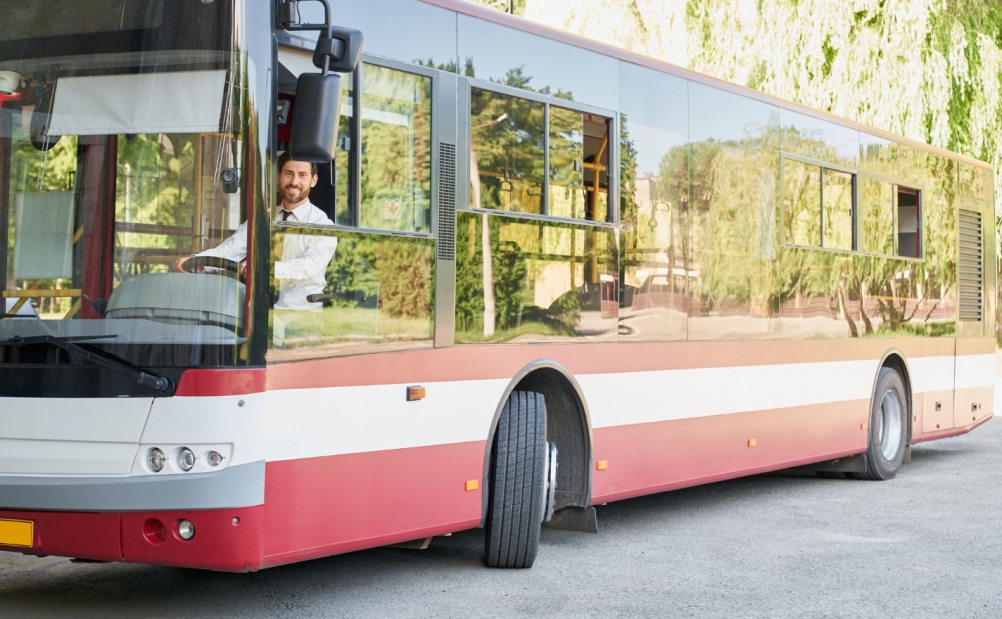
(549, 481)
(889, 425)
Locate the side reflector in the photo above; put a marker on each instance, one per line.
(473, 484)
(752, 442)
(602, 465)
(863, 426)
(416, 392)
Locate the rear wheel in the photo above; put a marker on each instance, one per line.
(521, 462)
(888, 427)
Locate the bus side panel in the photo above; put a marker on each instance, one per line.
(652, 457)
(329, 505)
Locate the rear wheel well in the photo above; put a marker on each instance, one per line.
(896, 362)
(567, 425)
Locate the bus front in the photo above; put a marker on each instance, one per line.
(130, 386)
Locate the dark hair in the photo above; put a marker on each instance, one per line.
(285, 158)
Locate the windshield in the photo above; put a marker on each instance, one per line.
(122, 138)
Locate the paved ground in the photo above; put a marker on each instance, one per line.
(926, 544)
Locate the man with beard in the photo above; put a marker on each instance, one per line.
(302, 271)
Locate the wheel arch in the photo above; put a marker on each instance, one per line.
(568, 424)
(895, 360)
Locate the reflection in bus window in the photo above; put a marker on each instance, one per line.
(507, 141)
(579, 158)
(837, 193)
(534, 281)
(396, 150)
(801, 203)
(877, 213)
(377, 297)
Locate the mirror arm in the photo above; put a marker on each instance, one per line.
(287, 7)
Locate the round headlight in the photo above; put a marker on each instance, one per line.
(186, 530)
(186, 459)
(214, 458)
(156, 460)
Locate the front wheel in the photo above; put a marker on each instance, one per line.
(517, 500)
(888, 427)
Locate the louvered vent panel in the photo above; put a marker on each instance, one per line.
(447, 201)
(971, 266)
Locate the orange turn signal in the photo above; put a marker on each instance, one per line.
(473, 484)
(602, 465)
(752, 442)
(417, 392)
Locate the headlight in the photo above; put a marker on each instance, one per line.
(186, 459)
(156, 460)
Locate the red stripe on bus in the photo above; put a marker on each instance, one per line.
(654, 457)
(221, 382)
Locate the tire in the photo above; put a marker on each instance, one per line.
(889, 415)
(515, 502)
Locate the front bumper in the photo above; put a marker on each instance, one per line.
(225, 539)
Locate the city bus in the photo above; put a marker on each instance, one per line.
(563, 274)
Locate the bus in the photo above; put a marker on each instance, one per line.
(557, 274)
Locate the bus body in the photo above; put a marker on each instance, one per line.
(702, 282)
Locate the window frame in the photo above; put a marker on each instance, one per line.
(895, 183)
(822, 166)
(355, 152)
(466, 92)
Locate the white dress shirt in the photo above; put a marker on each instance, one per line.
(302, 270)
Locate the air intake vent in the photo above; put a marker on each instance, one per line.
(971, 266)
(446, 201)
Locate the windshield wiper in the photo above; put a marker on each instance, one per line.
(96, 357)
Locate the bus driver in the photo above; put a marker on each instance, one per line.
(302, 271)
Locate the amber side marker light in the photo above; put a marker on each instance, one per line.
(752, 442)
(416, 392)
(472, 485)
(602, 465)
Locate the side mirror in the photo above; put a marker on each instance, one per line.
(318, 113)
(343, 48)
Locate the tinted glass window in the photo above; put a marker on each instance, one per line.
(820, 139)
(501, 54)
(877, 217)
(579, 159)
(801, 203)
(507, 143)
(396, 150)
(837, 197)
(654, 197)
(401, 29)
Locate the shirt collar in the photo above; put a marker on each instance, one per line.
(299, 213)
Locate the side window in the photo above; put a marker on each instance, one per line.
(511, 141)
(579, 159)
(818, 206)
(837, 199)
(396, 150)
(801, 204)
(507, 142)
(877, 213)
(909, 222)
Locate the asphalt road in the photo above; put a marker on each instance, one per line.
(926, 544)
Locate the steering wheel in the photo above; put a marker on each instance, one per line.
(225, 267)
